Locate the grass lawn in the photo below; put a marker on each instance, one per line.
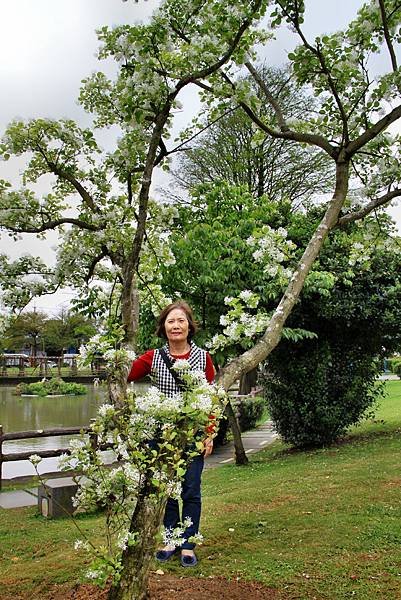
(322, 524)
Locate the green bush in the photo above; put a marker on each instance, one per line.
(397, 369)
(395, 365)
(315, 391)
(52, 387)
(250, 411)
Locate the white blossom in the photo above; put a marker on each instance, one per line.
(93, 573)
(106, 410)
(245, 295)
(35, 459)
(181, 365)
(81, 545)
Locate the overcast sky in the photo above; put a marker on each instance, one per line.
(48, 46)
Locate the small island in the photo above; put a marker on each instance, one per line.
(50, 387)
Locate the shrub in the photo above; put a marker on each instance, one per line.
(52, 387)
(395, 365)
(250, 411)
(316, 390)
(397, 369)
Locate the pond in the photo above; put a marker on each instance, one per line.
(26, 413)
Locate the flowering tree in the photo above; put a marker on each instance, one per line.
(99, 203)
(204, 44)
(154, 437)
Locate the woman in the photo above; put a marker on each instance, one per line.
(176, 324)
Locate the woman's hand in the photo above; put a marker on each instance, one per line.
(208, 445)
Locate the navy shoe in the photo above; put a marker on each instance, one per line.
(188, 560)
(165, 555)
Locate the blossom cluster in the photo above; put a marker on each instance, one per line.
(360, 255)
(241, 323)
(272, 249)
(174, 537)
(101, 345)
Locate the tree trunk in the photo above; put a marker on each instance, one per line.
(136, 560)
(247, 382)
(240, 456)
(117, 378)
(130, 306)
(117, 386)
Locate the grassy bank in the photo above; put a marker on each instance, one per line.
(319, 524)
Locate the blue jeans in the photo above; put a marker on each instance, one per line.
(191, 502)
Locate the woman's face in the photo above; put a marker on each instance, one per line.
(176, 325)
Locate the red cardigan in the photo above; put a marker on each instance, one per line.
(142, 366)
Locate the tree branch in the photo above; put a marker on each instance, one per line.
(373, 131)
(324, 69)
(251, 358)
(372, 205)
(129, 188)
(181, 148)
(86, 197)
(276, 107)
(387, 36)
(53, 224)
(202, 74)
(306, 138)
(95, 261)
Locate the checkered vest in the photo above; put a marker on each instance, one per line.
(161, 376)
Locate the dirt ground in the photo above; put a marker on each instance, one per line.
(167, 587)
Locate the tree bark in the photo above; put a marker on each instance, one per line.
(240, 456)
(117, 386)
(130, 306)
(136, 560)
(247, 382)
(239, 450)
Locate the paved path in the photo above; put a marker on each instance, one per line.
(18, 498)
(253, 441)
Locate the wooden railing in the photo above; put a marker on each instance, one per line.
(46, 366)
(22, 435)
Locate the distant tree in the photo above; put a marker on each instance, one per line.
(26, 331)
(67, 330)
(212, 257)
(281, 169)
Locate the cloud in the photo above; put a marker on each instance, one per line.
(49, 46)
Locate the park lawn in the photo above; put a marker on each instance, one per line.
(322, 524)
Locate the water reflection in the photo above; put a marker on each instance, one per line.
(22, 414)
